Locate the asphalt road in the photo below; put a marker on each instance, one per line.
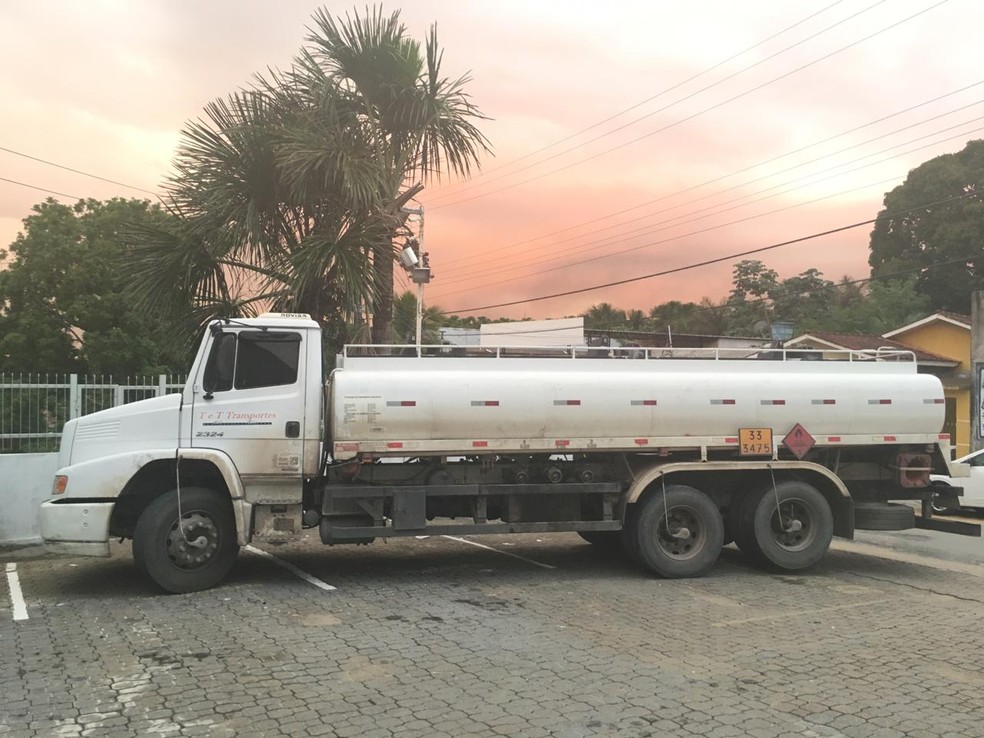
(501, 636)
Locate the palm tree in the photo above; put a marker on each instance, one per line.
(604, 316)
(422, 121)
(257, 229)
(405, 320)
(290, 192)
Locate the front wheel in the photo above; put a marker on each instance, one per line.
(190, 553)
(791, 525)
(678, 532)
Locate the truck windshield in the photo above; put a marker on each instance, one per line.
(252, 359)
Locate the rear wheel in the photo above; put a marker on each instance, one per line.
(788, 526)
(678, 532)
(189, 553)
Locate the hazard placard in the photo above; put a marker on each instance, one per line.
(755, 441)
(799, 441)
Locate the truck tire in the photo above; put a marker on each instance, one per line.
(166, 551)
(733, 530)
(883, 516)
(678, 533)
(792, 535)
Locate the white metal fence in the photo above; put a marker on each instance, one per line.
(34, 407)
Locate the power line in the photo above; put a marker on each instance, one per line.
(717, 209)
(41, 189)
(77, 171)
(664, 272)
(909, 109)
(686, 218)
(716, 260)
(696, 308)
(693, 115)
(687, 81)
(401, 278)
(835, 285)
(677, 238)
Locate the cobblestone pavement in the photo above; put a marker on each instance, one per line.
(439, 638)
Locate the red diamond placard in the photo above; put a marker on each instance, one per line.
(799, 441)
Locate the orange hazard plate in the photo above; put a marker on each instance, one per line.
(755, 441)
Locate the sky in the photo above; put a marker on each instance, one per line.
(628, 137)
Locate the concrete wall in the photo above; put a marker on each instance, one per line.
(25, 482)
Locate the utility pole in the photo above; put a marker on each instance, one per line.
(419, 212)
(420, 272)
(977, 370)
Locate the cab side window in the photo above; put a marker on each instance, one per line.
(267, 359)
(221, 364)
(252, 359)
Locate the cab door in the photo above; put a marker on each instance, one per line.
(249, 403)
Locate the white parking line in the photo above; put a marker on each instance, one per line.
(292, 569)
(504, 553)
(16, 596)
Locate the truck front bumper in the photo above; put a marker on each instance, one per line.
(76, 528)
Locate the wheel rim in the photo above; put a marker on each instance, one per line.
(178, 543)
(792, 525)
(680, 533)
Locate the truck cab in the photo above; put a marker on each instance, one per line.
(244, 432)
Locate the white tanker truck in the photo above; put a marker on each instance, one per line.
(668, 455)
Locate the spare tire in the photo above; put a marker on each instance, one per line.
(883, 516)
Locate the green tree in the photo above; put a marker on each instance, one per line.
(877, 308)
(925, 230)
(291, 192)
(262, 225)
(405, 320)
(603, 316)
(636, 320)
(748, 305)
(63, 304)
(463, 321)
(804, 300)
(421, 122)
(703, 318)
